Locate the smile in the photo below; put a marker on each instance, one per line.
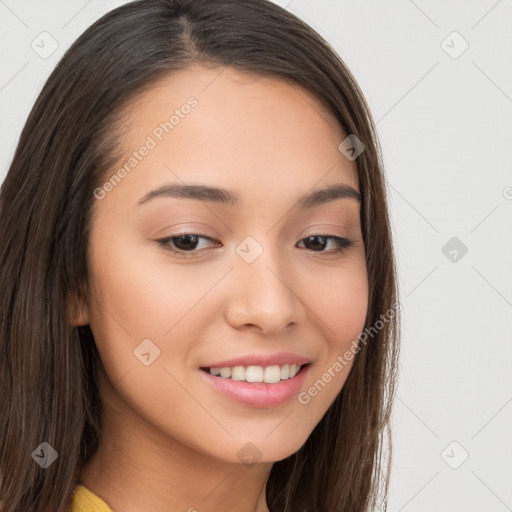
(247, 385)
(269, 374)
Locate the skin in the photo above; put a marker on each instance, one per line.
(170, 442)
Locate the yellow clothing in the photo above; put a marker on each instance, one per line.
(84, 500)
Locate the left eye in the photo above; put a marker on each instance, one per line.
(340, 243)
(185, 245)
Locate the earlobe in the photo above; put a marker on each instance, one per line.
(77, 313)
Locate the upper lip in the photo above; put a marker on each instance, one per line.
(276, 358)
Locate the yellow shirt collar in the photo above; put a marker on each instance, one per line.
(84, 500)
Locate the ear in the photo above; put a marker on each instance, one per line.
(77, 312)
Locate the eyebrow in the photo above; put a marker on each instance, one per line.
(224, 196)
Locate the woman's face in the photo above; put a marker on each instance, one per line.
(258, 285)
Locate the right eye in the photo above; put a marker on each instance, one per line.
(182, 245)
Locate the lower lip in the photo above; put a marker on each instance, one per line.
(258, 394)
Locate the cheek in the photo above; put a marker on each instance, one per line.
(338, 299)
(138, 294)
(340, 303)
(347, 311)
(134, 288)
(139, 299)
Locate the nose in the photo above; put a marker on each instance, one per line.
(264, 295)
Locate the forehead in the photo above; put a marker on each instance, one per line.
(225, 88)
(244, 130)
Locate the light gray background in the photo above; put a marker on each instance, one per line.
(445, 125)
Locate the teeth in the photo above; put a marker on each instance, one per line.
(268, 374)
(254, 374)
(294, 368)
(225, 372)
(238, 373)
(272, 374)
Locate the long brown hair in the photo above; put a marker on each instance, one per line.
(49, 391)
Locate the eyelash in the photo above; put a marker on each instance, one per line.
(342, 243)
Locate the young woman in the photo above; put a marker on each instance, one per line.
(199, 300)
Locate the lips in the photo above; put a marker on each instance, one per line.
(257, 394)
(276, 358)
